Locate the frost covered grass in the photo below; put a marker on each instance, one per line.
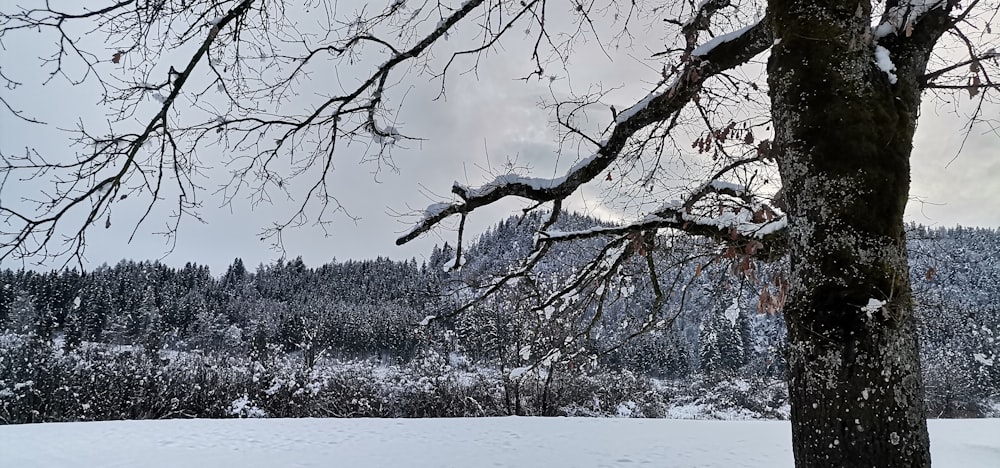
(471, 442)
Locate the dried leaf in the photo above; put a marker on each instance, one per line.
(745, 267)
(782, 296)
(973, 87)
(931, 273)
(697, 270)
(730, 252)
(693, 75)
(753, 247)
(723, 135)
(764, 149)
(117, 57)
(764, 301)
(908, 31)
(638, 244)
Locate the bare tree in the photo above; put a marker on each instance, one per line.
(833, 126)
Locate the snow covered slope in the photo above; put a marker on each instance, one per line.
(486, 442)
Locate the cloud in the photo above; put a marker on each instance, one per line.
(951, 183)
(488, 122)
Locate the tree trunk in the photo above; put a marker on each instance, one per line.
(843, 134)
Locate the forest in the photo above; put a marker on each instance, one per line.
(386, 338)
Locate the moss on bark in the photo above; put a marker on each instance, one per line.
(844, 133)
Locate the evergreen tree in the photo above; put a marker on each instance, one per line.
(725, 341)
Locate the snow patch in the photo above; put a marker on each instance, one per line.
(387, 136)
(525, 352)
(532, 182)
(435, 209)
(874, 305)
(884, 63)
(627, 409)
(25, 384)
(427, 320)
(707, 47)
(551, 358)
(903, 16)
(721, 185)
(771, 228)
(516, 373)
(982, 359)
(636, 108)
(733, 312)
(508, 442)
(243, 407)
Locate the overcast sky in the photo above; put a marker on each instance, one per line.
(488, 112)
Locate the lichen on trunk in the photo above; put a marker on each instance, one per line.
(844, 135)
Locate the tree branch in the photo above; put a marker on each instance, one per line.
(657, 106)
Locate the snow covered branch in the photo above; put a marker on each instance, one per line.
(753, 223)
(905, 31)
(903, 17)
(657, 106)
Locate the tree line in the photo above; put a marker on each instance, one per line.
(137, 322)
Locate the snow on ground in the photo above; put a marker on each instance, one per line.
(405, 443)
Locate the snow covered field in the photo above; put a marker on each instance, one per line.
(404, 443)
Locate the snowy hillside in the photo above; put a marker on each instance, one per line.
(414, 443)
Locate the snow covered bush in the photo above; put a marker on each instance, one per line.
(243, 407)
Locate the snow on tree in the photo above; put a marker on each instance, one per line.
(725, 341)
(834, 124)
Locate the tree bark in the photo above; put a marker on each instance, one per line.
(844, 133)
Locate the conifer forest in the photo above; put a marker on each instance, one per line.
(381, 338)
